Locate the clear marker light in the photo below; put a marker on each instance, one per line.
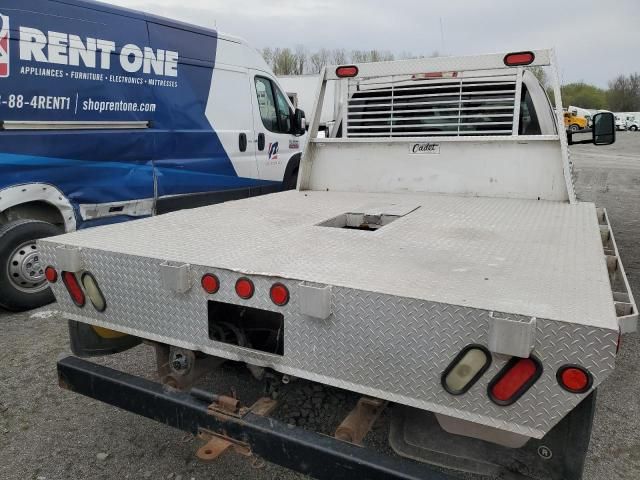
(93, 292)
(465, 370)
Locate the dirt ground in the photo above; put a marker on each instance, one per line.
(50, 434)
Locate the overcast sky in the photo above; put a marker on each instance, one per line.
(595, 40)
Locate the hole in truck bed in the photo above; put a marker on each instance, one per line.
(359, 221)
(246, 327)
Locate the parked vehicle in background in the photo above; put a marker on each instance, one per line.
(621, 122)
(633, 122)
(582, 112)
(110, 115)
(574, 122)
(433, 255)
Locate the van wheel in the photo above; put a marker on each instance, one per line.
(22, 282)
(574, 128)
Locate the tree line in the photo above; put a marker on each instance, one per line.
(622, 94)
(300, 61)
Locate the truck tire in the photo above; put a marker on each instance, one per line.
(633, 128)
(22, 282)
(574, 128)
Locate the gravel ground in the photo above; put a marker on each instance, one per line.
(48, 433)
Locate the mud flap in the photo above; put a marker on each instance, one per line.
(560, 455)
(89, 341)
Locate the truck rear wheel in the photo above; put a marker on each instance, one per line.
(22, 282)
(574, 128)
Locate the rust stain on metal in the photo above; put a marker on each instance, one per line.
(228, 404)
(264, 406)
(217, 444)
(358, 423)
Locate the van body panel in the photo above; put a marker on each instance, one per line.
(81, 61)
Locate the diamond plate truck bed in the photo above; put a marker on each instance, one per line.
(405, 298)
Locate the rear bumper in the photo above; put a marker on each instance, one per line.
(307, 452)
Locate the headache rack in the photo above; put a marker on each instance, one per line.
(431, 125)
(467, 103)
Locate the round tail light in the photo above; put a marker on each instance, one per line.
(279, 294)
(51, 274)
(574, 379)
(210, 283)
(244, 288)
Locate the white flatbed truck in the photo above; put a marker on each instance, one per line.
(433, 256)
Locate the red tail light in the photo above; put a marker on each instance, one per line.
(430, 75)
(517, 59)
(51, 274)
(517, 376)
(347, 71)
(210, 283)
(244, 288)
(279, 294)
(574, 379)
(74, 289)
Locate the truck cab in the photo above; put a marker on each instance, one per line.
(140, 116)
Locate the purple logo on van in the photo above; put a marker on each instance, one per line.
(273, 151)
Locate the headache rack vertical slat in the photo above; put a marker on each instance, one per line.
(516, 103)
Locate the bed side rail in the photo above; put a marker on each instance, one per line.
(626, 308)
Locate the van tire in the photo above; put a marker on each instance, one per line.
(20, 288)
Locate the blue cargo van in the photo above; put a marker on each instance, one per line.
(107, 115)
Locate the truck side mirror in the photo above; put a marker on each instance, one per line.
(604, 128)
(299, 122)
